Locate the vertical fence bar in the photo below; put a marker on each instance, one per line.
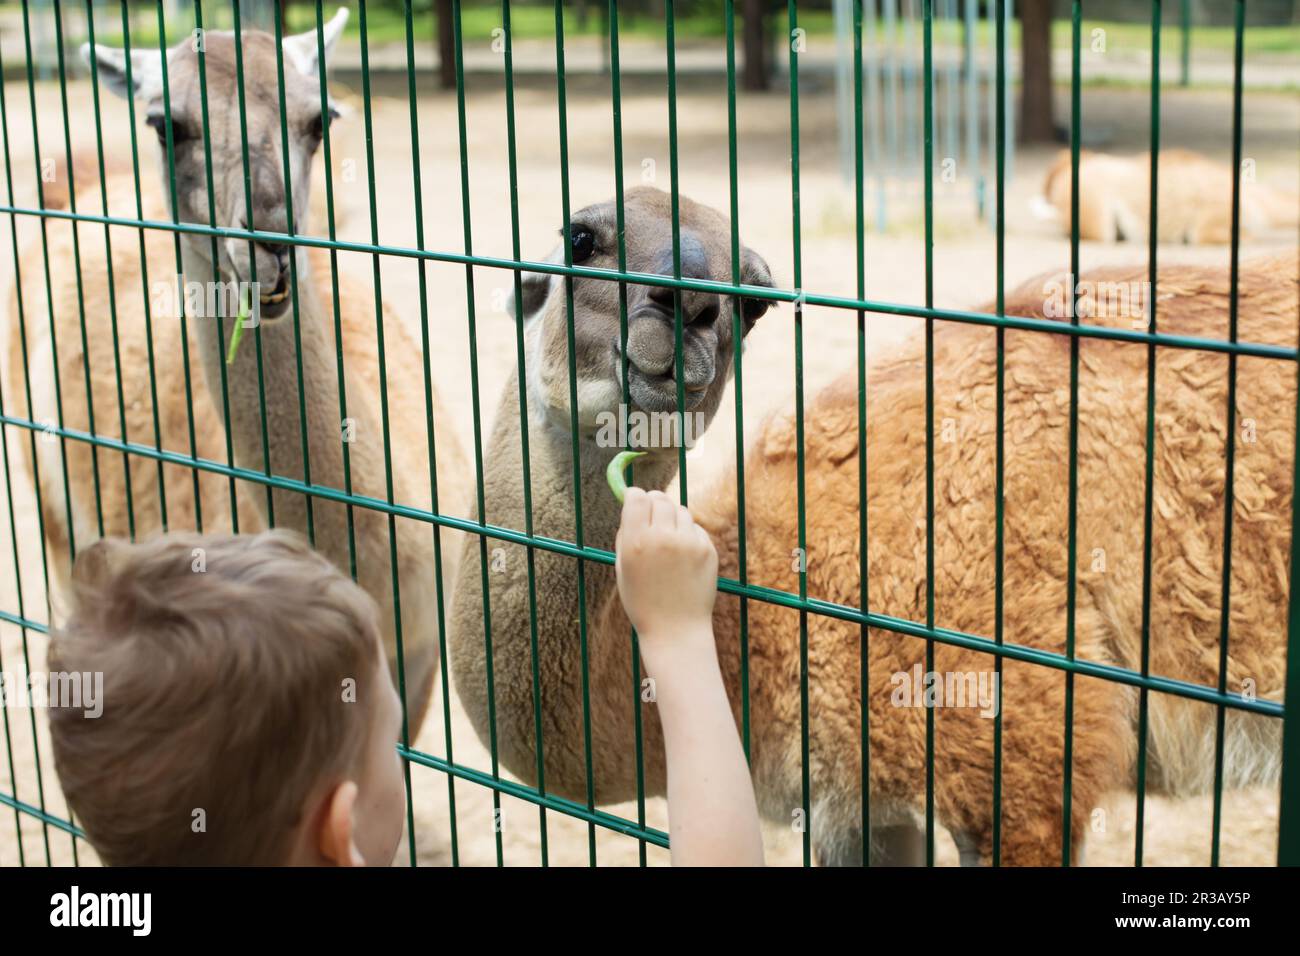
(81, 292)
(393, 562)
(999, 542)
(81, 310)
(579, 537)
(523, 408)
(860, 249)
(458, 50)
(670, 36)
(170, 144)
(1072, 533)
(1152, 242)
(928, 134)
(108, 259)
(616, 100)
(144, 272)
(291, 229)
(430, 430)
(218, 331)
(521, 376)
(332, 231)
(738, 374)
(252, 251)
(1007, 95)
(794, 39)
(1230, 451)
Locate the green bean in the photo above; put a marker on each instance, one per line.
(239, 328)
(614, 473)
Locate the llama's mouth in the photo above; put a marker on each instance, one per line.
(274, 303)
(654, 391)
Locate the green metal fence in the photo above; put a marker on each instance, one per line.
(29, 797)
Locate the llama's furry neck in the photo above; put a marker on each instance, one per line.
(553, 601)
(238, 390)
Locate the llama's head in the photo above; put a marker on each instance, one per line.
(708, 339)
(232, 193)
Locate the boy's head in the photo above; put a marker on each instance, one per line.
(248, 714)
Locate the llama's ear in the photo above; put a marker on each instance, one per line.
(301, 49)
(754, 271)
(109, 63)
(534, 288)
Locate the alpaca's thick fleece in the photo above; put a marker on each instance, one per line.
(1186, 575)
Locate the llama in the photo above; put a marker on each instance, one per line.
(297, 331)
(1195, 199)
(1186, 575)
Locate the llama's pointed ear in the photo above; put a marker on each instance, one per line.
(754, 271)
(301, 49)
(109, 64)
(534, 289)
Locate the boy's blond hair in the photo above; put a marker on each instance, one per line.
(225, 663)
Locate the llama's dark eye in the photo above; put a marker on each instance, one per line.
(583, 243)
(159, 124)
(316, 127)
(753, 309)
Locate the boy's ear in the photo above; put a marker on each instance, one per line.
(334, 840)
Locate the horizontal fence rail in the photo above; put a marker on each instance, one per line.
(859, 106)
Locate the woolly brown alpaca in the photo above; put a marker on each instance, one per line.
(1186, 568)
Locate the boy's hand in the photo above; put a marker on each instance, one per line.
(667, 576)
(667, 569)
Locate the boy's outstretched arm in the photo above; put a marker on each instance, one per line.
(667, 574)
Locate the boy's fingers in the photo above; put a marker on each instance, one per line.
(705, 541)
(636, 508)
(663, 513)
(707, 549)
(684, 517)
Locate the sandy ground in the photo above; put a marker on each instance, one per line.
(1177, 831)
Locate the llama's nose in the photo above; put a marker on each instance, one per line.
(697, 307)
(279, 250)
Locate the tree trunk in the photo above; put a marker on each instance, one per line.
(446, 45)
(1036, 121)
(755, 45)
